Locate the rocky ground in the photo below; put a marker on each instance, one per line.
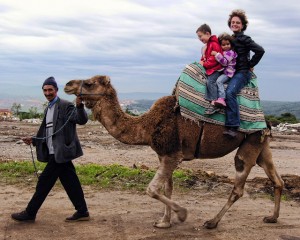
(129, 215)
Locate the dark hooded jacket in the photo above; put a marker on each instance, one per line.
(243, 44)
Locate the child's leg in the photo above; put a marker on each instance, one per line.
(220, 83)
(211, 86)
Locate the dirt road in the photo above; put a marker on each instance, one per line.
(128, 215)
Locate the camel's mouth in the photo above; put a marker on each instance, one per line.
(89, 104)
(69, 91)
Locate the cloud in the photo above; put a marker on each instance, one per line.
(142, 45)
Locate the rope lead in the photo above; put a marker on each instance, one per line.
(43, 138)
(35, 168)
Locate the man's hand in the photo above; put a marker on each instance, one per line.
(27, 140)
(79, 102)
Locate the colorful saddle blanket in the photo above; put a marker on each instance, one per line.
(190, 91)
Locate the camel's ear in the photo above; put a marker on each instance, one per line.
(107, 80)
(104, 79)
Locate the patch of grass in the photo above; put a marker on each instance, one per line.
(100, 176)
(18, 172)
(285, 197)
(114, 176)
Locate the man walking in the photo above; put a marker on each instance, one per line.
(57, 144)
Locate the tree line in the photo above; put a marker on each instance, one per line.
(283, 118)
(32, 112)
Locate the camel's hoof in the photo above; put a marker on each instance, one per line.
(182, 214)
(210, 224)
(270, 220)
(162, 224)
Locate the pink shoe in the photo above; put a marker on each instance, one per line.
(220, 102)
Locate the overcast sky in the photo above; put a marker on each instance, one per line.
(143, 45)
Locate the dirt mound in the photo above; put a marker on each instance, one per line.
(291, 189)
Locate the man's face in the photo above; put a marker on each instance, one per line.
(50, 92)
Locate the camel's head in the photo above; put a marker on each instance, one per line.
(90, 90)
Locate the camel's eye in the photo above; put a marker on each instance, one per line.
(88, 85)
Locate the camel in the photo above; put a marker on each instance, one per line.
(176, 139)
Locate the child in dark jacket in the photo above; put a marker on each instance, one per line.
(213, 68)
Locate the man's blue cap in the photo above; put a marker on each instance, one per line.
(50, 81)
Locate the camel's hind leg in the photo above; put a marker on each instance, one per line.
(245, 159)
(163, 178)
(265, 161)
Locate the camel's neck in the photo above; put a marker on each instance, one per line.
(123, 127)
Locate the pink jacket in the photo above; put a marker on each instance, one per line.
(228, 60)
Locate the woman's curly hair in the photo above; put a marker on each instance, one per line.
(241, 15)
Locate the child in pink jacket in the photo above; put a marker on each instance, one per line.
(228, 61)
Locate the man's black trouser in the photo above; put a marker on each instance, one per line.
(68, 178)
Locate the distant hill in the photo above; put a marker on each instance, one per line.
(277, 108)
(34, 97)
(142, 101)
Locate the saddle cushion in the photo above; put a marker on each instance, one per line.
(190, 92)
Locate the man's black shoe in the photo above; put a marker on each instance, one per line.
(231, 132)
(78, 217)
(23, 217)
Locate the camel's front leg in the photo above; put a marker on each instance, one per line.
(165, 221)
(163, 177)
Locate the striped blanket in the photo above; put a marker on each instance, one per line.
(190, 91)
